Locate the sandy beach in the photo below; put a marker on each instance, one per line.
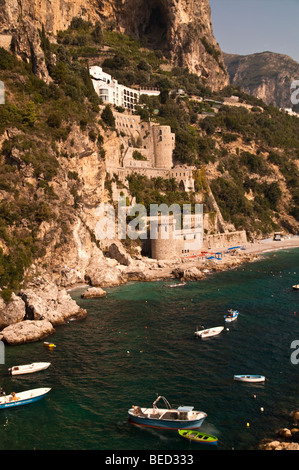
(271, 245)
(199, 267)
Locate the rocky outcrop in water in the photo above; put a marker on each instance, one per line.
(93, 293)
(33, 314)
(287, 439)
(26, 332)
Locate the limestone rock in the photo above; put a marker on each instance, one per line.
(11, 312)
(27, 332)
(295, 416)
(47, 302)
(104, 276)
(180, 28)
(285, 433)
(189, 274)
(26, 44)
(117, 252)
(93, 293)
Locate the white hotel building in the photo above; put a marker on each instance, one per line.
(110, 91)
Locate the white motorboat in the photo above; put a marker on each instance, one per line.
(208, 333)
(168, 417)
(29, 368)
(250, 378)
(23, 398)
(181, 284)
(296, 287)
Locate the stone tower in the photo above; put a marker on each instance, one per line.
(164, 144)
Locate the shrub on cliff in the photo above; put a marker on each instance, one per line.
(107, 116)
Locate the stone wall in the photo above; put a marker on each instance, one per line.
(172, 248)
(222, 241)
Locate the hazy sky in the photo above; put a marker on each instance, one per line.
(249, 26)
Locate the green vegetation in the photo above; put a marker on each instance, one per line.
(248, 151)
(42, 117)
(158, 191)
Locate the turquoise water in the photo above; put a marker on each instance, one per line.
(139, 342)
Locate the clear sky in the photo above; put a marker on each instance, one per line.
(249, 26)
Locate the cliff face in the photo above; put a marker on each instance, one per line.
(177, 28)
(181, 29)
(267, 76)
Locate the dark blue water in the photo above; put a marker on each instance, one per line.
(138, 342)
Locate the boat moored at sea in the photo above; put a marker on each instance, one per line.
(250, 378)
(208, 333)
(29, 368)
(23, 398)
(231, 315)
(197, 436)
(49, 345)
(167, 418)
(179, 284)
(296, 287)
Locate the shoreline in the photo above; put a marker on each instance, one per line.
(51, 305)
(270, 245)
(195, 269)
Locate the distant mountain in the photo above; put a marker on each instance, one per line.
(265, 75)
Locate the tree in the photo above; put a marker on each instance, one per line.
(97, 33)
(107, 116)
(30, 114)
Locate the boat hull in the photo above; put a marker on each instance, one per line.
(232, 318)
(199, 437)
(29, 369)
(209, 332)
(24, 398)
(166, 424)
(250, 378)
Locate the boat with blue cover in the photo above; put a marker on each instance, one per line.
(22, 398)
(231, 315)
(250, 378)
(168, 417)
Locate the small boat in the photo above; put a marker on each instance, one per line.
(198, 436)
(296, 287)
(250, 378)
(208, 333)
(23, 398)
(181, 284)
(29, 368)
(231, 315)
(168, 417)
(49, 345)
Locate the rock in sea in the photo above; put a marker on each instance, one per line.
(93, 293)
(26, 332)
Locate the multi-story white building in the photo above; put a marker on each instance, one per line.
(110, 91)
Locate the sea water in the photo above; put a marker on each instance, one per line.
(139, 342)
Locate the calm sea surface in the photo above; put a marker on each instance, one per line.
(139, 342)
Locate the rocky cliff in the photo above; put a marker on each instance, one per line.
(267, 76)
(181, 29)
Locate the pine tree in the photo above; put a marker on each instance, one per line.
(107, 116)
